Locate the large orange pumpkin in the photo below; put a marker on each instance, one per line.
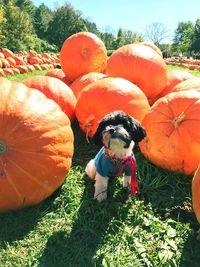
(56, 90)
(141, 65)
(106, 95)
(173, 132)
(59, 74)
(36, 146)
(175, 77)
(153, 46)
(78, 85)
(196, 193)
(81, 53)
(193, 83)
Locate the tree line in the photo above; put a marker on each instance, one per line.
(24, 26)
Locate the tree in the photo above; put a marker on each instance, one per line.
(196, 39)
(120, 41)
(43, 15)
(156, 32)
(19, 30)
(183, 39)
(91, 27)
(2, 26)
(65, 22)
(108, 39)
(26, 6)
(132, 37)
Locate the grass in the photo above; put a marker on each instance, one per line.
(157, 228)
(193, 72)
(20, 77)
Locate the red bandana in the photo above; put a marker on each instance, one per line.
(120, 164)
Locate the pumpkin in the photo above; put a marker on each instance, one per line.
(7, 52)
(78, 85)
(106, 95)
(8, 71)
(175, 77)
(36, 146)
(81, 53)
(141, 65)
(173, 132)
(193, 83)
(56, 90)
(153, 46)
(59, 74)
(196, 193)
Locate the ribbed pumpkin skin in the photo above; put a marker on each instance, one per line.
(81, 53)
(175, 77)
(59, 74)
(36, 146)
(153, 46)
(141, 65)
(84, 80)
(196, 193)
(193, 83)
(173, 132)
(56, 90)
(103, 96)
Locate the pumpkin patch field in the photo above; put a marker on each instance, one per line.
(48, 117)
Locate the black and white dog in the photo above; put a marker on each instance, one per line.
(117, 133)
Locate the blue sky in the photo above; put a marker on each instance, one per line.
(133, 15)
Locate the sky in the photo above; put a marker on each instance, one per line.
(134, 15)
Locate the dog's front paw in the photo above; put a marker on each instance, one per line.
(126, 181)
(100, 196)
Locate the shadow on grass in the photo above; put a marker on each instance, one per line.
(190, 255)
(92, 226)
(169, 194)
(15, 225)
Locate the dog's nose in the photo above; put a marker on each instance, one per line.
(111, 131)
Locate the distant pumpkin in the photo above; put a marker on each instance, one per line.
(81, 53)
(36, 146)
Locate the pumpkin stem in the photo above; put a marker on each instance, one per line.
(178, 120)
(3, 147)
(84, 52)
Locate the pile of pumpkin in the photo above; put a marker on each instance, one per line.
(36, 140)
(191, 64)
(21, 62)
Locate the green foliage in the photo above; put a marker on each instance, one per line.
(108, 39)
(196, 39)
(184, 37)
(42, 18)
(19, 30)
(2, 26)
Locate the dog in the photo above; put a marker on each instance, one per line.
(117, 133)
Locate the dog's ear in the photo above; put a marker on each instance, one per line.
(137, 130)
(106, 120)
